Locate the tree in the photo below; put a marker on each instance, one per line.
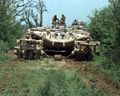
(102, 28)
(10, 27)
(105, 27)
(34, 15)
(41, 7)
(115, 6)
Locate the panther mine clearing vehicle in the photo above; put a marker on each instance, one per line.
(57, 42)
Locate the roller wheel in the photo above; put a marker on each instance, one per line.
(89, 56)
(25, 55)
(20, 55)
(31, 55)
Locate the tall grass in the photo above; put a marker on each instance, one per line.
(65, 83)
(22, 80)
(3, 49)
(105, 65)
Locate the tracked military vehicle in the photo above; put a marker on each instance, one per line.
(57, 42)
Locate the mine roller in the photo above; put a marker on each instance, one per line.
(28, 48)
(30, 45)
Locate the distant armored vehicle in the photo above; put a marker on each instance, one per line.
(85, 46)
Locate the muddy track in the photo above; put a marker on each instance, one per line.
(93, 78)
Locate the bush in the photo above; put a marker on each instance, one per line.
(3, 46)
(3, 50)
(4, 58)
(105, 65)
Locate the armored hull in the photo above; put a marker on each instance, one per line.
(58, 44)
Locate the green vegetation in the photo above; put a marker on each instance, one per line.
(109, 69)
(12, 14)
(39, 78)
(105, 27)
(10, 28)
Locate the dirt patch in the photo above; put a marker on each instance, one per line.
(92, 77)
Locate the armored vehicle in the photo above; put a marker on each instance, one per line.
(56, 42)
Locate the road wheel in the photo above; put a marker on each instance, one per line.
(20, 55)
(37, 55)
(89, 56)
(25, 55)
(31, 55)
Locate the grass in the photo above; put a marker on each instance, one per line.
(41, 78)
(4, 58)
(109, 69)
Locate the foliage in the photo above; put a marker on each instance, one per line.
(33, 16)
(108, 68)
(104, 26)
(115, 6)
(37, 78)
(10, 27)
(3, 49)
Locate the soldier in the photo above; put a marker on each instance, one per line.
(75, 22)
(55, 21)
(82, 25)
(57, 24)
(62, 21)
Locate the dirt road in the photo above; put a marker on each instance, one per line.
(91, 76)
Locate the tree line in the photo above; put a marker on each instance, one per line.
(105, 27)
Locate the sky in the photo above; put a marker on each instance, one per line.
(72, 9)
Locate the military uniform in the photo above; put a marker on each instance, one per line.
(62, 21)
(75, 22)
(55, 21)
